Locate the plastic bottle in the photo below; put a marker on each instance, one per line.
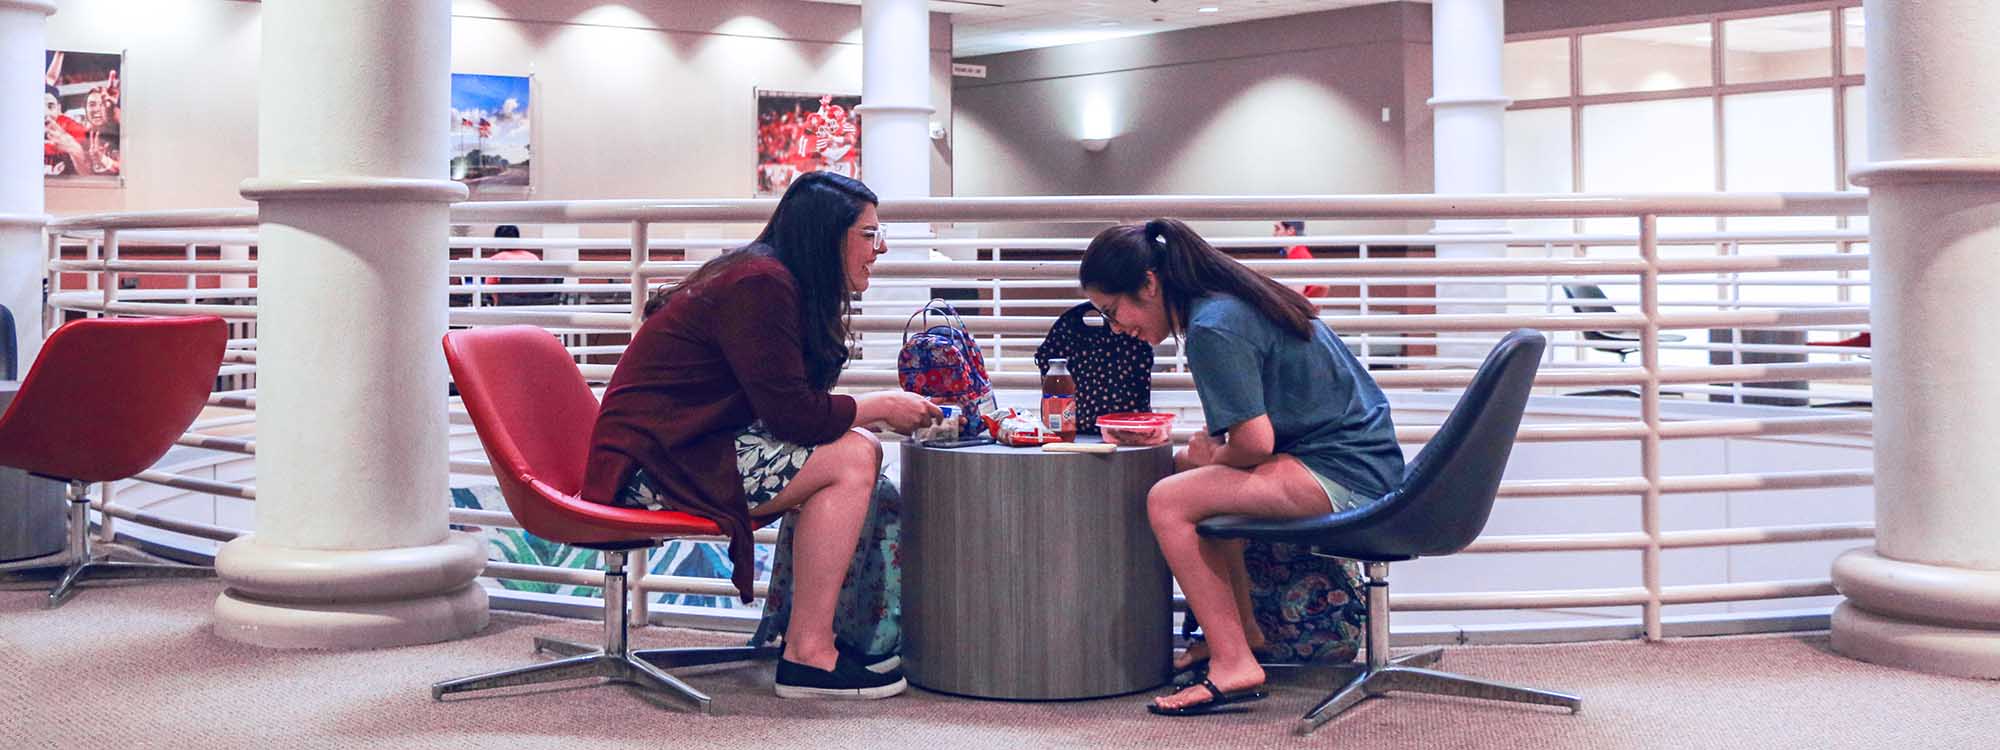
(1059, 400)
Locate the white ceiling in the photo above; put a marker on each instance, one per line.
(984, 27)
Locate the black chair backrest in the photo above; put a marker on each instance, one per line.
(1448, 488)
(10, 351)
(1586, 292)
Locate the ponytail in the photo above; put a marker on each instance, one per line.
(1187, 267)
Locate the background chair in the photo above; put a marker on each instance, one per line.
(1442, 505)
(534, 415)
(105, 399)
(1620, 343)
(9, 348)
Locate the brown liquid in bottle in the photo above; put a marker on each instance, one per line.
(1059, 400)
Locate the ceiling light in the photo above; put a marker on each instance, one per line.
(1208, 9)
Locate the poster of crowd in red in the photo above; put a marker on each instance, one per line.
(81, 116)
(492, 138)
(802, 132)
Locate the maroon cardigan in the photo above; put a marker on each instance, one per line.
(717, 357)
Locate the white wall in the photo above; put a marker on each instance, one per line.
(643, 98)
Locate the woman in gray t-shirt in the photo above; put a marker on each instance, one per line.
(1296, 427)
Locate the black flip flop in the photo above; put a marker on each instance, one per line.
(1218, 702)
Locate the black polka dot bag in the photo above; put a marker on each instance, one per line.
(1113, 371)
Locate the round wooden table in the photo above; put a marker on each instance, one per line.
(1030, 575)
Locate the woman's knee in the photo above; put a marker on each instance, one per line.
(1166, 503)
(857, 457)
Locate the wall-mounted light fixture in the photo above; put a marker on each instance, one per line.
(1095, 145)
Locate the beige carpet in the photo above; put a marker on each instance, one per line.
(136, 667)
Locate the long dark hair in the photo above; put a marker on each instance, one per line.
(806, 233)
(1188, 267)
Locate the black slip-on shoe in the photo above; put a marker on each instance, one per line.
(886, 663)
(847, 680)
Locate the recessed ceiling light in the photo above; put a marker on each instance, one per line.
(1107, 22)
(1208, 9)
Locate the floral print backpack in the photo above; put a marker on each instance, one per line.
(942, 362)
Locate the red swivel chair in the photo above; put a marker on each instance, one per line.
(534, 414)
(105, 399)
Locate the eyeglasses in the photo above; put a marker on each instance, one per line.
(1110, 312)
(874, 238)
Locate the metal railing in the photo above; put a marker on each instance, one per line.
(1662, 282)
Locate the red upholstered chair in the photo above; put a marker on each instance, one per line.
(534, 414)
(105, 399)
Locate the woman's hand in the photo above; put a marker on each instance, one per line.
(1201, 449)
(902, 412)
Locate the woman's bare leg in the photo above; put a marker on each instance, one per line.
(1279, 488)
(1239, 581)
(831, 493)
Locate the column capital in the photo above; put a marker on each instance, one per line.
(28, 221)
(1912, 171)
(353, 189)
(47, 7)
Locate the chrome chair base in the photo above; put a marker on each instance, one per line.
(68, 576)
(645, 668)
(1409, 674)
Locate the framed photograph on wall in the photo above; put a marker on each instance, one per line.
(491, 134)
(81, 118)
(800, 132)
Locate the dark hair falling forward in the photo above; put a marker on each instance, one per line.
(1188, 267)
(806, 233)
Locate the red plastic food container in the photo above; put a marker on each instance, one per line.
(1137, 428)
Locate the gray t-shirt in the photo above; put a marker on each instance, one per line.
(1324, 408)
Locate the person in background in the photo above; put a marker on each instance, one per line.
(723, 407)
(1296, 427)
(1297, 252)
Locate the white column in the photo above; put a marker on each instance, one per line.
(1927, 595)
(895, 134)
(351, 548)
(23, 38)
(1468, 106)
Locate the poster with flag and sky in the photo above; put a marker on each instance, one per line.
(490, 133)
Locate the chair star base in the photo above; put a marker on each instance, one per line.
(1408, 674)
(645, 668)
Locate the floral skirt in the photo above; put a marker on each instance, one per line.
(869, 615)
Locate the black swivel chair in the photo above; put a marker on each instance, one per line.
(9, 353)
(1442, 505)
(1621, 343)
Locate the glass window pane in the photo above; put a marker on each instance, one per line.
(1536, 69)
(1657, 59)
(1538, 160)
(1855, 104)
(1778, 48)
(1649, 147)
(1778, 141)
(1854, 41)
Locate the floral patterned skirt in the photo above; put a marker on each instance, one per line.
(869, 615)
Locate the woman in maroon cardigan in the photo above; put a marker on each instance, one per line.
(722, 406)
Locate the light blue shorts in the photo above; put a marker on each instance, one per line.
(1338, 497)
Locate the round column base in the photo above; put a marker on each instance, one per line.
(280, 597)
(1923, 647)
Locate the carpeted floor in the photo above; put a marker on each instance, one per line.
(137, 667)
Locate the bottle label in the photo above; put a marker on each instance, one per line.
(1058, 412)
